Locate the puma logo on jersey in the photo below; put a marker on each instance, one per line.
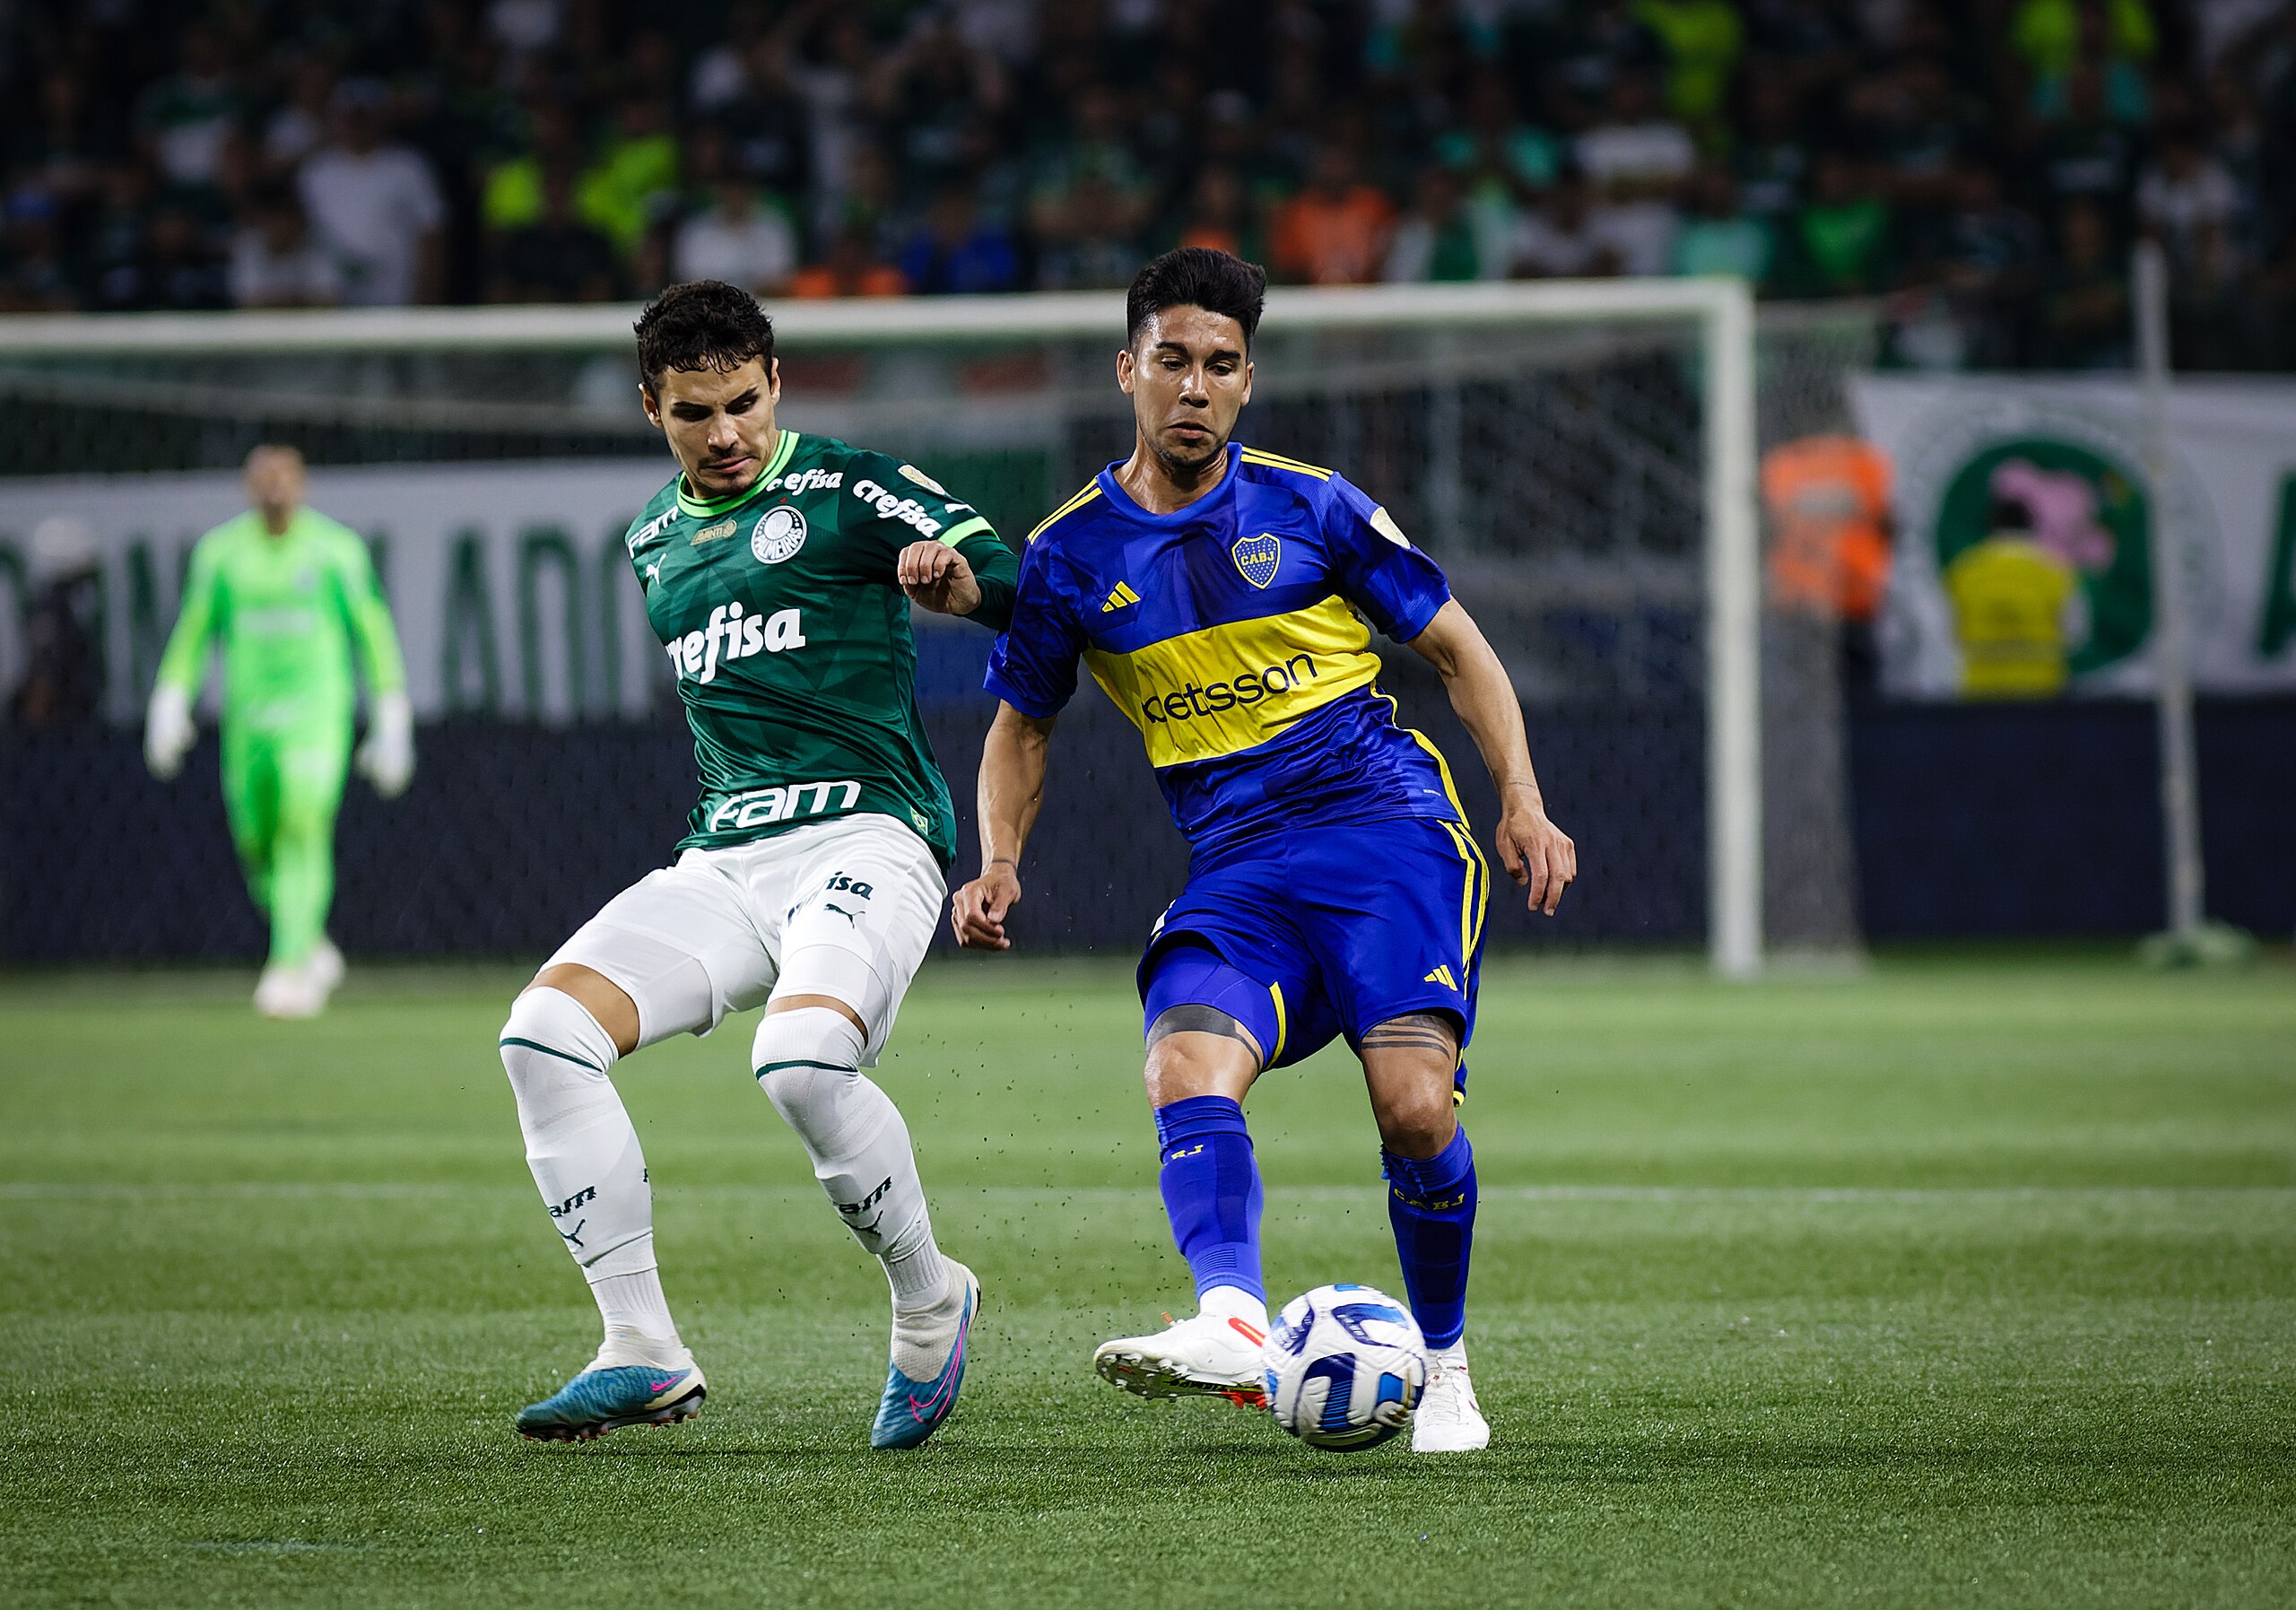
(1441, 975)
(732, 635)
(1123, 597)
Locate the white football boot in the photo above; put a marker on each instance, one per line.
(284, 992)
(326, 963)
(1449, 1419)
(1207, 1356)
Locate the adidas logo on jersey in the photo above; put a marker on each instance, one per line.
(1123, 597)
(732, 635)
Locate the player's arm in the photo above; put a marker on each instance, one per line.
(168, 731)
(387, 759)
(1012, 792)
(974, 576)
(1535, 852)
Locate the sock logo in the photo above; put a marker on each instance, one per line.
(573, 1238)
(589, 1193)
(851, 1212)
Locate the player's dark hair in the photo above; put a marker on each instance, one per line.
(702, 324)
(1196, 276)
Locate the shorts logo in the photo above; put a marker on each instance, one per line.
(1441, 975)
(779, 533)
(1258, 556)
(711, 534)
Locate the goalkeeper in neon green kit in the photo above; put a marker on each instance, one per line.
(287, 590)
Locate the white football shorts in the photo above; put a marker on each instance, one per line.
(844, 909)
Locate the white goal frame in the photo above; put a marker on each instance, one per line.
(1721, 310)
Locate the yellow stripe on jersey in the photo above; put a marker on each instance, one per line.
(1072, 506)
(1225, 689)
(1276, 461)
(1442, 766)
(1276, 990)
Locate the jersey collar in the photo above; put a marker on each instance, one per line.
(688, 504)
(1113, 490)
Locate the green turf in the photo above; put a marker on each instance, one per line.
(1972, 1282)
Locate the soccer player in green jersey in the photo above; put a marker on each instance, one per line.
(778, 569)
(288, 592)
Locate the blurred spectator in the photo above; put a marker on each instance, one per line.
(64, 669)
(297, 128)
(1840, 241)
(559, 257)
(1335, 231)
(274, 261)
(737, 240)
(184, 119)
(2087, 154)
(766, 120)
(179, 273)
(375, 206)
(2186, 200)
(1703, 40)
(1436, 239)
(2085, 305)
(1771, 158)
(1637, 159)
(1987, 262)
(1088, 243)
(957, 252)
(850, 268)
(1719, 237)
(34, 277)
(634, 183)
(1563, 240)
(1220, 215)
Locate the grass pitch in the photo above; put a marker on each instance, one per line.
(1972, 1282)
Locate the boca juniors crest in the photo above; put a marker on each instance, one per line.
(779, 533)
(1258, 556)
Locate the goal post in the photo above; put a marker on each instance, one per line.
(1425, 370)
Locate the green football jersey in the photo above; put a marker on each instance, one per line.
(288, 609)
(789, 635)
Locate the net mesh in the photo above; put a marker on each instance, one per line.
(1553, 470)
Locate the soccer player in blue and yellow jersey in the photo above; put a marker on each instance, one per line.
(1225, 598)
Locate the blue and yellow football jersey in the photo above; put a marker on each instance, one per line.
(1233, 634)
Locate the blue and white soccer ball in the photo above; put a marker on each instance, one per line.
(1345, 1367)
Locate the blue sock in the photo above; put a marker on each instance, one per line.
(1210, 1186)
(1430, 1202)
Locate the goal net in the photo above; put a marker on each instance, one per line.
(1581, 457)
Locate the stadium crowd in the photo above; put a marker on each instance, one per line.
(1981, 166)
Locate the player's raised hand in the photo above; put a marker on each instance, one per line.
(1538, 854)
(935, 577)
(977, 910)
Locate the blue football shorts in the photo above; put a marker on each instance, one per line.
(1326, 933)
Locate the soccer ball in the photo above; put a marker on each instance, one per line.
(1345, 1366)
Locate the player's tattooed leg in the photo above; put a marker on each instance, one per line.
(1429, 1033)
(1190, 1018)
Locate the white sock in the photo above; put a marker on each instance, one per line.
(1454, 1357)
(1234, 1303)
(584, 1154)
(807, 1063)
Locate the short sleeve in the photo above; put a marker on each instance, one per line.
(1032, 665)
(1397, 588)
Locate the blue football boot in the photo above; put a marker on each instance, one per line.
(912, 1410)
(607, 1397)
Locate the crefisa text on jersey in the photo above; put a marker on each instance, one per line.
(697, 654)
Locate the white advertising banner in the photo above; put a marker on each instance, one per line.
(2069, 456)
(509, 581)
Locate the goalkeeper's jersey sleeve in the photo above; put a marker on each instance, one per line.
(288, 610)
(785, 624)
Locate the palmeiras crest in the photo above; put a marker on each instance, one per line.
(780, 532)
(1258, 556)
